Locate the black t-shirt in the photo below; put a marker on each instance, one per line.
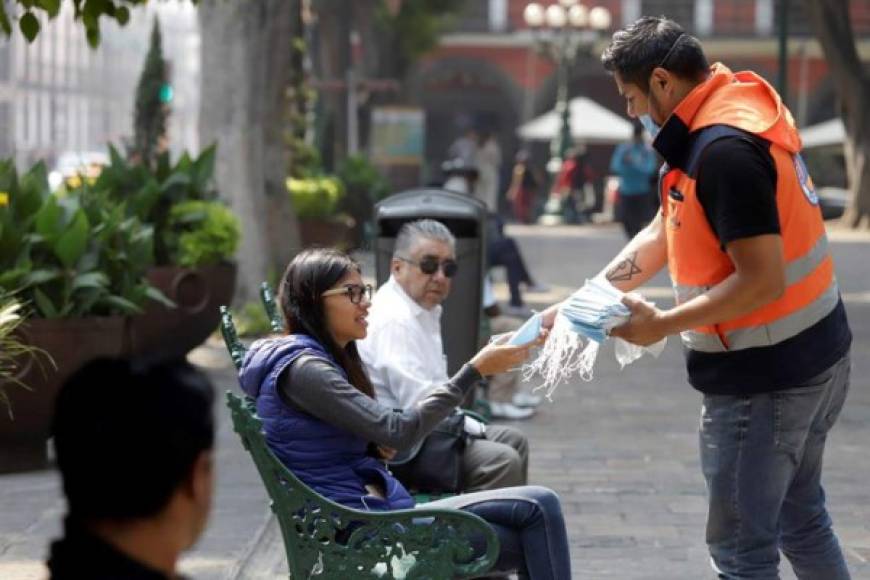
(736, 186)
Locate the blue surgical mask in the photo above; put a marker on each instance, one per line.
(649, 125)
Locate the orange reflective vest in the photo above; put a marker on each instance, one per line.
(727, 104)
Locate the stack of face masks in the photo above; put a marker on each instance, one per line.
(587, 314)
(594, 309)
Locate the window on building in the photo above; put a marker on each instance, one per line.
(474, 17)
(735, 17)
(5, 129)
(32, 118)
(680, 11)
(798, 20)
(72, 122)
(498, 15)
(46, 40)
(45, 123)
(59, 118)
(5, 59)
(83, 139)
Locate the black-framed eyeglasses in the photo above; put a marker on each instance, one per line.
(353, 291)
(430, 264)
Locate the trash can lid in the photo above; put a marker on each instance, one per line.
(430, 203)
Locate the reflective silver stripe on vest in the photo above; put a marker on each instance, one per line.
(800, 268)
(795, 271)
(767, 334)
(779, 330)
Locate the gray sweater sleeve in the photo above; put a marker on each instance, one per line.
(315, 386)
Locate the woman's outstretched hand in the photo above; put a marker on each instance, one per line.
(499, 357)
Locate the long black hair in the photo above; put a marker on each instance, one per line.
(311, 273)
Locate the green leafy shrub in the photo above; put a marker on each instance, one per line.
(150, 194)
(361, 177)
(315, 198)
(72, 253)
(200, 233)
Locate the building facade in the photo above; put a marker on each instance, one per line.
(57, 95)
(488, 70)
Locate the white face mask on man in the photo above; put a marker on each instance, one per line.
(651, 127)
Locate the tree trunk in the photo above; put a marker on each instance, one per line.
(246, 49)
(333, 44)
(831, 22)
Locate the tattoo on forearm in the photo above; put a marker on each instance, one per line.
(624, 270)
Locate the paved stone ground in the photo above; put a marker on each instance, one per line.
(621, 451)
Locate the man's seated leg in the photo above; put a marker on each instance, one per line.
(500, 460)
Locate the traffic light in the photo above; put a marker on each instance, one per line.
(166, 93)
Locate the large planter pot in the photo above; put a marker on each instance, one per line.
(335, 233)
(71, 342)
(163, 333)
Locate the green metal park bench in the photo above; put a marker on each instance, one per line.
(327, 540)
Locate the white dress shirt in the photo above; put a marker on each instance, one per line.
(403, 352)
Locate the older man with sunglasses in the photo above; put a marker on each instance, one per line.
(405, 358)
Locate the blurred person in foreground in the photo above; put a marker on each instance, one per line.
(635, 164)
(758, 306)
(134, 450)
(320, 413)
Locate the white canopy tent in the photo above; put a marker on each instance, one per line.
(590, 123)
(830, 132)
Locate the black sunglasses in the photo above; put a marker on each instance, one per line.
(430, 264)
(353, 291)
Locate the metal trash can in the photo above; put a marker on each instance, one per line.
(465, 217)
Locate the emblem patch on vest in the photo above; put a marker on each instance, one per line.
(804, 179)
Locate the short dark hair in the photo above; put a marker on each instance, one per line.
(650, 42)
(127, 435)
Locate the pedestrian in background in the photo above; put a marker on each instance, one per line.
(489, 169)
(575, 177)
(635, 164)
(523, 190)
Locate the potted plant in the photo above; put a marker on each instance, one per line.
(195, 237)
(316, 201)
(78, 263)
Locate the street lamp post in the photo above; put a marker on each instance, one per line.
(561, 31)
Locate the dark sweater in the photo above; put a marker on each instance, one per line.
(81, 555)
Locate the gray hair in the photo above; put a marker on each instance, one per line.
(411, 232)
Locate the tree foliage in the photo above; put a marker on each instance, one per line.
(25, 14)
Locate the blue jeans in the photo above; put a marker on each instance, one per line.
(762, 460)
(530, 527)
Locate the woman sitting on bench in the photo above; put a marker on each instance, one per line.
(319, 414)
